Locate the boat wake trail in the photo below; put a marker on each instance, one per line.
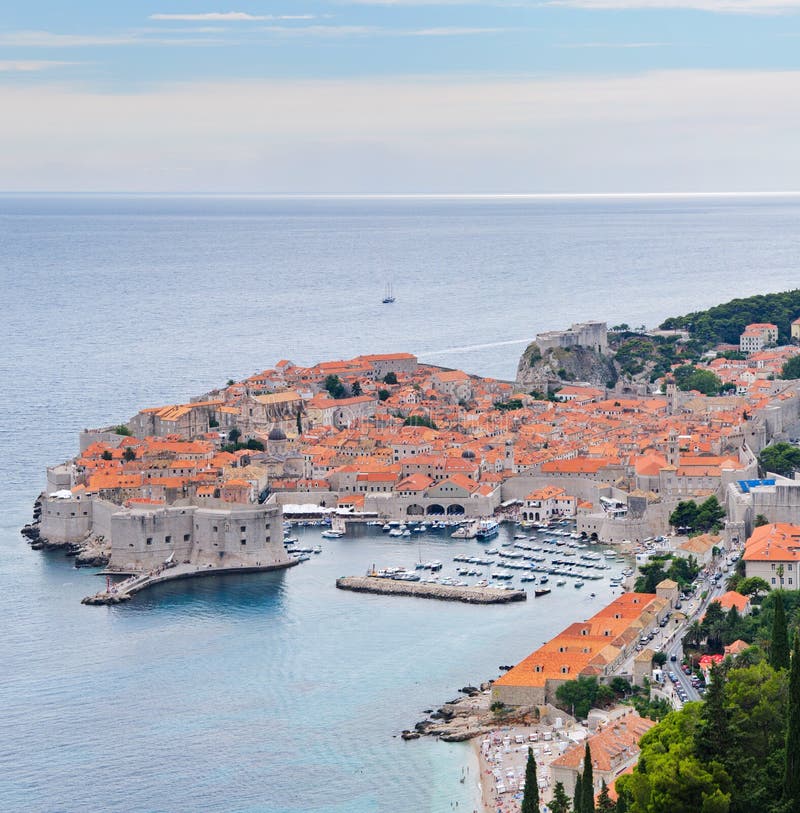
(468, 348)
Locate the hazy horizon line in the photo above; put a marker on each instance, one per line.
(398, 195)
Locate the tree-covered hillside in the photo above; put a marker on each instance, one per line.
(724, 323)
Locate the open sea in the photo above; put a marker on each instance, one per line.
(275, 693)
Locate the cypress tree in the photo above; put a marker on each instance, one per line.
(779, 645)
(560, 802)
(711, 739)
(577, 799)
(604, 803)
(530, 797)
(791, 774)
(587, 806)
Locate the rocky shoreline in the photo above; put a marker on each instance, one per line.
(464, 718)
(93, 551)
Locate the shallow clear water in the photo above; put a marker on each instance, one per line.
(271, 693)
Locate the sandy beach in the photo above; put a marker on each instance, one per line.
(503, 754)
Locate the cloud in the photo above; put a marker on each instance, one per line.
(454, 31)
(31, 65)
(661, 131)
(229, 16)
(324, 30)
(633, 45)
(49, 39)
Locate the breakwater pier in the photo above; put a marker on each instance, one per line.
(125, 590)
(443, 592)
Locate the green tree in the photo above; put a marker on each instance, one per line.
(670, 777)
(791, 773)
(683, 571)
(760, 518)
(383, 395)
(560, 802)
(356, 388)
(690, 378)
(694, 634)
(587, 790)
(129, 454)
(652, 574)
(714, 625)
(620, 686)
(659, 658)
(107, 455)
(780, 458)
(122, 429)
(711, 738)
(390, 378)
(577, 696)
(779, 640)
(333, 384)
(530, 796)
(791, 369)
(234, 435)
(604, 801)
(420, 420)
(684, 515)
(299, 419)
(577, 796)
(709, 514)
(752, 586)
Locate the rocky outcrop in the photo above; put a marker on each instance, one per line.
(546, 370)
(93, 551)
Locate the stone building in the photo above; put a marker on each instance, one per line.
(591, 335)
(773, 553)
(614, 750)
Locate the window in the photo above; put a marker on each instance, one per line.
(243, 541)
(242, 528)
(773, 580)
(214, 528)
(167, 539)
(186, 537)
(149, 540)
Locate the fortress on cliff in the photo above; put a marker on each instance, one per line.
(591, 335)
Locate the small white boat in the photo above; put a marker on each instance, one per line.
(331, 534)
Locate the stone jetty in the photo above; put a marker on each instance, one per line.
(135, 583)
(443, 592)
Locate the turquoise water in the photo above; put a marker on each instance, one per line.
(276, 692)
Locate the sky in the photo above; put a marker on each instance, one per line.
(400, 96)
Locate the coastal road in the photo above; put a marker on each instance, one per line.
(694, 612)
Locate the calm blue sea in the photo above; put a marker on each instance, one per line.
(276, 693)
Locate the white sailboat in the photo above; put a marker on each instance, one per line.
(388, 297)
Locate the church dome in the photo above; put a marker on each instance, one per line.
(276, 434)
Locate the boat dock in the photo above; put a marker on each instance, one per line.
(443, 592)
(125, 590)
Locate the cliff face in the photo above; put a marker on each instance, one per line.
(549, 369)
